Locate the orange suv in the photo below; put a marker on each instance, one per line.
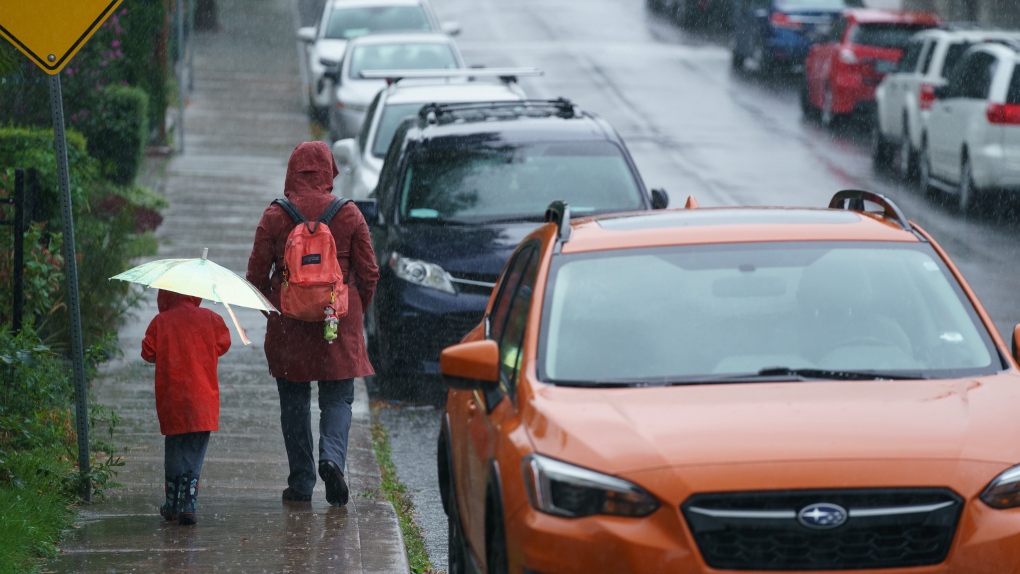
(732, 389)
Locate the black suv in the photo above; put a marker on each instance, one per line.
(461, 185)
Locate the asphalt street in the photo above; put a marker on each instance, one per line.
(695, 127)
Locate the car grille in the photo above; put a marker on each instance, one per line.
(451, 328)
(887, 528)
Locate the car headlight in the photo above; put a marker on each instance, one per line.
(1004, 491)
(422, 273)
(563, 489)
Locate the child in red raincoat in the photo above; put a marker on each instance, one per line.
(185, 342)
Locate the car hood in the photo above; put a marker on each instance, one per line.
(473, 251)
(331, 49)
(632, 429)
(359, 92)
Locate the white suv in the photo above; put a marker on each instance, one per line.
(972, 141)
(343, 20)
(905, 96)
(360, 159)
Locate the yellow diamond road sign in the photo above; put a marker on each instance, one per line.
(50, 32)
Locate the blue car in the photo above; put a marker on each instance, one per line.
(776, 35)
(461, 186)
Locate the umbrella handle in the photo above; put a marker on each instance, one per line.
(240, 331)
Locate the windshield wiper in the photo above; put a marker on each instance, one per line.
(838, 375)
(439, 220)
(514, 219)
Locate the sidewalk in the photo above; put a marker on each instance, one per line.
(244, 117)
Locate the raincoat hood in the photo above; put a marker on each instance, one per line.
(167, 300)
(310, 171)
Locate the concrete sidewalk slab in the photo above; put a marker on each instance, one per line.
(243, 119)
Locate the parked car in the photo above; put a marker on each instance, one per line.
(460, 186)
(691, 13)
(905, 96)
(360, 159)
(343, 20)
(732, 389)
(353, 93)
(972, 142)
(842, 72)
(776, 35)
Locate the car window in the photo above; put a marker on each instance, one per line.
(927, 55)
(347, 23)
(502, 309)
(512, 337)
(973, 79)
(665, 314)
(953, 54)
(389, 176)
(911, 55)
(402, 56)
(817, 4)
(501, 181)
(392, 115)
(884, 35)
(366, 125)
(1013, 94)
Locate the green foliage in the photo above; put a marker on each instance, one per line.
(117, 132)
(43, 275)
(8, 59)
(33, 148)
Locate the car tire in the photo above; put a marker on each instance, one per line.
(924, 176)
(830, 119)
(906, 157)
(968, 195)
(456, 547)
(762, 65)
(809, 111)
(881, 150)
(495, 535)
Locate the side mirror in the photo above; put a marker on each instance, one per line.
(346, 152)
(306, 34)
(369, 209)
(659, 198)
(1016, 336)
(471, 366)
(450, 28)
(942, 92)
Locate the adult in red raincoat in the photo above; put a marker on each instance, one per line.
(297, 351)
(185, 342)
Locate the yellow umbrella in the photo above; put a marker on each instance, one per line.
(201, 278)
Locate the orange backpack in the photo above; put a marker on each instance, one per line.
(312, 278)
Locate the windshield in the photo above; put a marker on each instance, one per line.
(817, 4)
(701, 313)
(402, 56)
(347, 23)
(389, 122)
(884, 35)
(479, 182)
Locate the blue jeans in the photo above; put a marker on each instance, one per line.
(335, 400)
(184, 453)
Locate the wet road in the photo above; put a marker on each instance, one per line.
(695, 127)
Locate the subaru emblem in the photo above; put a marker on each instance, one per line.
(822, 516)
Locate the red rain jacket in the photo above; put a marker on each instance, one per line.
(186, 341)
(296, 350)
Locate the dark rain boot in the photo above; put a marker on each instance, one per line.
(188, 496)
(168, 509)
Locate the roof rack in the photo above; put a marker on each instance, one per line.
(853, 200)
(558, 212)
(434, 113)
(505, 75)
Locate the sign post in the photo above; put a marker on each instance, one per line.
(50, 33)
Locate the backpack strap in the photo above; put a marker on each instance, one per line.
(291, 210)
(333, 208)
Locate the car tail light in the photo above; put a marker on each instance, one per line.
(847, 56)
(926, 97)
(1003, 114)
(781, 20)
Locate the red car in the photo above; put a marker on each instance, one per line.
(842, 72)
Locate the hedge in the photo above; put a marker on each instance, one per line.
(118, 132)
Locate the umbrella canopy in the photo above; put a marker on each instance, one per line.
(200, 278)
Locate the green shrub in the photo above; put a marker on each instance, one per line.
(117, 132)
(33, 148)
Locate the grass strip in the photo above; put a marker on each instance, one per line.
(396, 493)
(33, 513)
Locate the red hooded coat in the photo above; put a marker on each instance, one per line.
(296, 350)
(186, 341)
